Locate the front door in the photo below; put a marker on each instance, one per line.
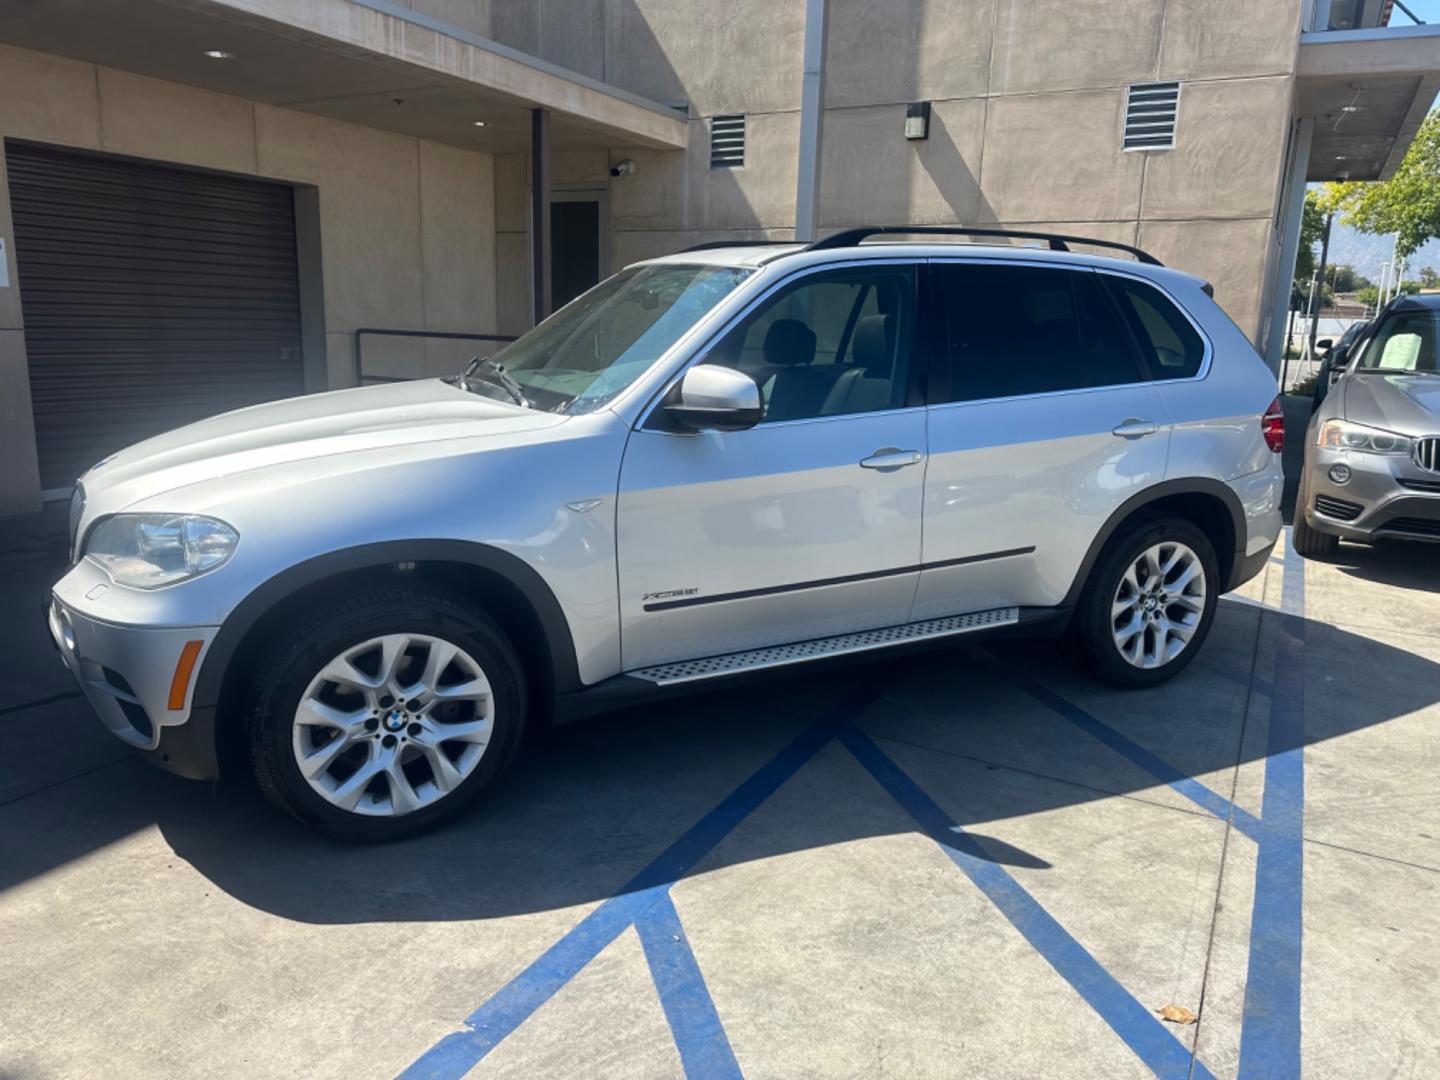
(1044, 421)
(805, 526)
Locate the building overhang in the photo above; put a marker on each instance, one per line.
(1367, 90)
(370, 62)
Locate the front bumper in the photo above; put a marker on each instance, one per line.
(129, 676)
(1386, 497)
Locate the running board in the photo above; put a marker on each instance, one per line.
(799, 652)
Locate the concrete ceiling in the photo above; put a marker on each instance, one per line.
(290, 65)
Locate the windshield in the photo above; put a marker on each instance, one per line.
(590, 350)
(1405, 341)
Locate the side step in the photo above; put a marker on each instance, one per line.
(711, 667)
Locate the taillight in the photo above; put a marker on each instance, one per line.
(1272, 426)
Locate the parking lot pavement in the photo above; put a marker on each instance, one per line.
(972, 861)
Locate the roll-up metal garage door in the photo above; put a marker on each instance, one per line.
(151, 296)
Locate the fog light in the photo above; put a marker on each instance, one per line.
(1340, 473)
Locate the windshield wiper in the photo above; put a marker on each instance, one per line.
(498, 376)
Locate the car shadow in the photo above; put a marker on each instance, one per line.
(587, 806)
(1404, 564)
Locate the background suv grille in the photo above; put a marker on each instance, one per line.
(1427, 453)
(1338, 509)
(1421, 485)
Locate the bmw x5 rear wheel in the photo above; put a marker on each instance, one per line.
(383, 715)
(1149, 603)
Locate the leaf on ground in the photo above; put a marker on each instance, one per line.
(1177, 1014)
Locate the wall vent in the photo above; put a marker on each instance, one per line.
(727, 141)
(1150, 112)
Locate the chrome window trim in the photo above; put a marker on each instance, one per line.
(700, 350)
(1205, 360)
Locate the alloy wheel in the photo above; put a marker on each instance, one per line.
(1158, 605)
(393, 724)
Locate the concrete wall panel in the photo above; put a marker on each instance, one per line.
(20, 474)
(653, 197)
(907, 50)
(457, 219)
(512, 283)
(369, 212)
(759, 195)
(167, 121)
(1053, 157)
(1062, 45)
(1214, 38)
(1231, 255)
(48, 98)
(1229, 150)
(872, 174)
(474, 16)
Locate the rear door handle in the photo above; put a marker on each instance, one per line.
(889, 458)
(1136, 429)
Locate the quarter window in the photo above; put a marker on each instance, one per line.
(1172, 348)
(833, 343)
(1015, 330)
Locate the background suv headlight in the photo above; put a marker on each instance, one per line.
(146, 551)
(1343, 435)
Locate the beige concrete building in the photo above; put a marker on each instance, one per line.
(209, 200)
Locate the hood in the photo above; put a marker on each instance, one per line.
(301, 428)
(1400, 402)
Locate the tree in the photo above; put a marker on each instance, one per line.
(1346, 280)
(1312, 228)
(1407, 205)
(1429, 279)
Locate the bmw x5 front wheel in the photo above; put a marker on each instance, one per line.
(383, 715)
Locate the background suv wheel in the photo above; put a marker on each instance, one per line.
(384, 714)
(1149, 603)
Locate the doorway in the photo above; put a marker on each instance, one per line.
(579, 242)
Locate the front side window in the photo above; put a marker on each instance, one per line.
(834, 343)
(1405, 341)
(1173, 349)
(1016, 330)
(590, 350)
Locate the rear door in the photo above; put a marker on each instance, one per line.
(805, 526)
(1043, 421)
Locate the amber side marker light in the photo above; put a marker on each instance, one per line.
(180, 684)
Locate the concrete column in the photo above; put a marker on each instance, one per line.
(812, 119)
(540, 213)
(1291, 213)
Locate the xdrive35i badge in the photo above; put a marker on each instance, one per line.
(667, 594)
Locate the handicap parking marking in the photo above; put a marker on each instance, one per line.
(1271, 1025)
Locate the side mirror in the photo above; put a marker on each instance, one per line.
(714, 398)
(1324, 344)
(1336, 362)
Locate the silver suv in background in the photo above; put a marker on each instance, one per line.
(712, 465)
(1372, 449)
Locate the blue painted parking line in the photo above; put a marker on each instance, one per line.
(1166, 1056)
(1157, 767)
(1270, 1028)
(694, 1024)
(517, 1001)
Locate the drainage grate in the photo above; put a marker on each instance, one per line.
(755, 659)
(1150, 111)
(727, 141)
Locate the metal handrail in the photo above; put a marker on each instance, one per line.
(361, 377)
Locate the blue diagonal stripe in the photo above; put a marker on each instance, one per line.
(1140, 1030)
(699, 1036)
(1157, 767)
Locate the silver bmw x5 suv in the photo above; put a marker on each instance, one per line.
(713, 464)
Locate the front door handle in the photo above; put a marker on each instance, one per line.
(1136, 429)
(889, 458)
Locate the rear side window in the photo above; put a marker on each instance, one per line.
(1015, 330)
(1172, 348)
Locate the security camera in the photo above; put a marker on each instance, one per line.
(623, 168)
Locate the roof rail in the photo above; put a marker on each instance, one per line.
(713, 244)
(1056, 241)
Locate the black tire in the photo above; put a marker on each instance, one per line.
(1092, 631)
(1311, 542)
(283, 673)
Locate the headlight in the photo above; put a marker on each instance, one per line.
(146, 551)
(1343, 435)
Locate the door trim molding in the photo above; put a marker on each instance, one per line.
(820, 583)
